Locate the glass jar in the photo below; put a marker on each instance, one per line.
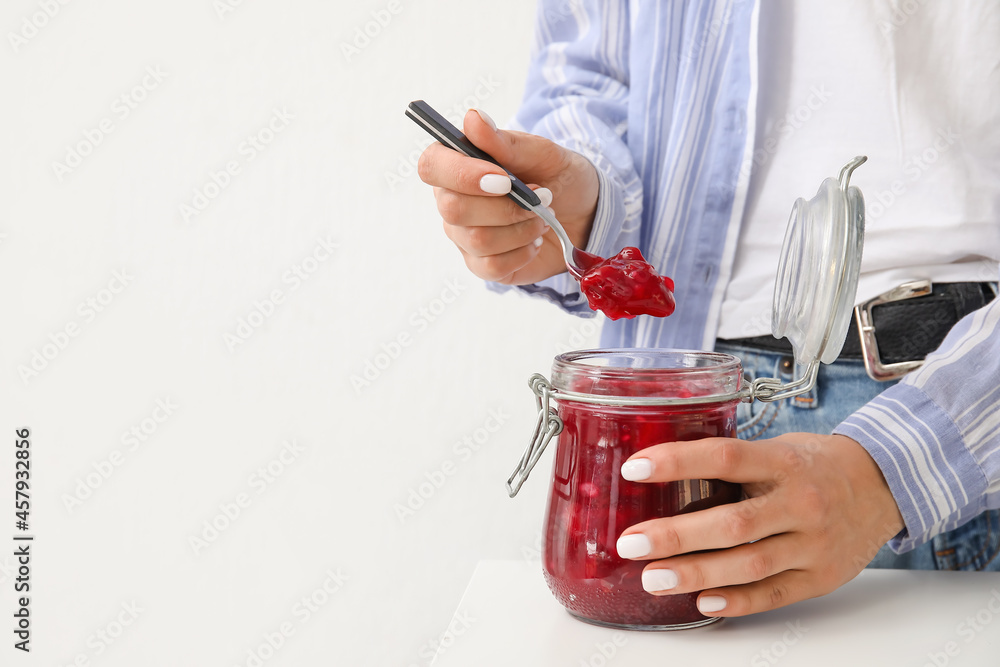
(611, 404)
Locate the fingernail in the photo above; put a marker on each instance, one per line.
(708, 604)
(545, 195)
(659, 580)
(637, 470)
(538, 242)
(634, 546)
(495, 184)
(486, 119)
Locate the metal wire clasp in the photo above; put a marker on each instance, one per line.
(771, 389)
(547, 426)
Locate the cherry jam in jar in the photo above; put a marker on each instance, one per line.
(613, 403)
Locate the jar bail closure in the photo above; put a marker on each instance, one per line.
(547, 426)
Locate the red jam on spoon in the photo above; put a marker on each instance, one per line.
(626, 285)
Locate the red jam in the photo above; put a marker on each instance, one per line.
(591, 504)
(626, 285)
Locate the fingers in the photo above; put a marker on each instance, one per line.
(720, 527)
(443, 167)
(780, 590)
(745, 564)
(469, 192)
(496, 253)
(518, 151)
(745, 580)
(502, 267)
(482, 211)
(522, 153)
(711, 458)
(486, 241)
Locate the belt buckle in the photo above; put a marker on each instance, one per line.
(866, 329)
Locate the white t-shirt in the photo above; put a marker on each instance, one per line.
(917, 90)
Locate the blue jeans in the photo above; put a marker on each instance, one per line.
(842, 388)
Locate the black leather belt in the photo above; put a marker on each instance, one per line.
(900, 327)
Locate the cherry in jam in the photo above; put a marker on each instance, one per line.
(626, 285)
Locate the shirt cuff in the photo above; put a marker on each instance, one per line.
(936, 482)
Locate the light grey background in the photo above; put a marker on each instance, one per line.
(116, 576)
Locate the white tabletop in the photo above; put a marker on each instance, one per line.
(894, 618)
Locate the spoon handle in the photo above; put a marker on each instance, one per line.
(438, 127)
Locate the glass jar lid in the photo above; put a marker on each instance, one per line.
(818, 270)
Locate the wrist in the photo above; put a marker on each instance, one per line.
(870, 483)
(576, 192)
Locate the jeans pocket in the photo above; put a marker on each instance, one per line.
(972, 546)
(754, 419)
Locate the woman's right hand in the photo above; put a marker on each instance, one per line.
(499, 240)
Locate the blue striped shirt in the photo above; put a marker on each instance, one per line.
(660, 96)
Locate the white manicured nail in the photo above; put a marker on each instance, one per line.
(495, 184)
(634, 546)
(708, 604)
(637, 470)
(486, 119)
(538, 242)
(659, 580)
(545, 195)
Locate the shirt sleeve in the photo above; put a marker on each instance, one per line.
(577, 96)
(936, 434)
